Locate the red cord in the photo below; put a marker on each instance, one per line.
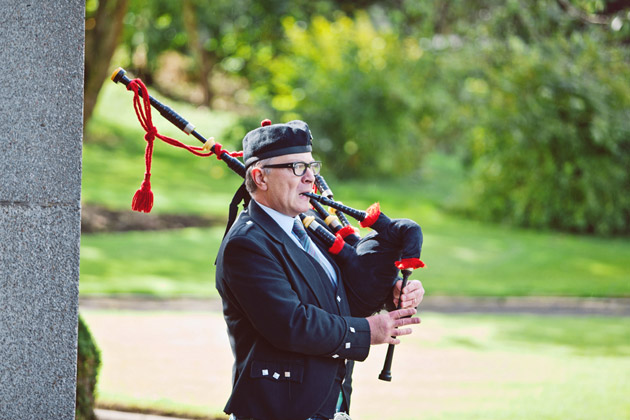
(143, 199)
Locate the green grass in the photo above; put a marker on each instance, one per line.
(163, 264)
(452, 367)
(463, 257)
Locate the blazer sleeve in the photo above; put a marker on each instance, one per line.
(261, 287)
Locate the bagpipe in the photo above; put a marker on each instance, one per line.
(371, 265)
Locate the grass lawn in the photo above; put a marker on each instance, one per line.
(453, 367)
(484, 261)
(463, 257)
(162, 263)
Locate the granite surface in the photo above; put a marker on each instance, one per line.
(41, 105)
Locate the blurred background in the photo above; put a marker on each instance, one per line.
(501, 127)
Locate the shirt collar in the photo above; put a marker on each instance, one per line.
(285, 222)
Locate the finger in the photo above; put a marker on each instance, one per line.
(411, 301)
(414, 292)
(406, 321)
(408, 304)
(392, 340)
(400, 313)
(401, 331)
(396, 291)
(411, 286)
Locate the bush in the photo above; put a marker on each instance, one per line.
(551, 144)
(536, 102)
(88, 364)
(355, 86)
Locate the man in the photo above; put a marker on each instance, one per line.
(284, 303)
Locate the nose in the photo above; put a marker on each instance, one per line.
(309, 176)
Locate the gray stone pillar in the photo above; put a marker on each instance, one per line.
(41, 106)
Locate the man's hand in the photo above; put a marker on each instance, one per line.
(384, 327)
(411, 296)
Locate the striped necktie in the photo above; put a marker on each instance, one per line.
(310, 248)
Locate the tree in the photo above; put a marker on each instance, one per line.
(103, 27)
(203, 61)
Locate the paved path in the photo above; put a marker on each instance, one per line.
(527, 305)
(122, 415)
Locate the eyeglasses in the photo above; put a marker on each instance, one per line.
(299, 168)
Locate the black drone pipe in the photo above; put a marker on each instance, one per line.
(233, 163)
(325, 190)
(331, 220)
(177, 120)
(357, 214)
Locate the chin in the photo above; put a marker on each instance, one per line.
(303, 209)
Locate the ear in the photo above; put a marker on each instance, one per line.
(258, 175)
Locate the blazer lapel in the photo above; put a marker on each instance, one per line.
(313, 276)
(339, 294)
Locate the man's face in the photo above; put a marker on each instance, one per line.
(282, 189)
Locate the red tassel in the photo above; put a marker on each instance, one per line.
(143, 198)
(337, 246)
(409, 263)
(372, 214)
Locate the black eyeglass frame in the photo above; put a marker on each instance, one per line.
(315, 166)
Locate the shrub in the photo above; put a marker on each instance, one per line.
(88, 364)
(551, 146)
(355, 86)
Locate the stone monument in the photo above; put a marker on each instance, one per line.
(41, 106)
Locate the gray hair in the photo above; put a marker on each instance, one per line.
(250, 185)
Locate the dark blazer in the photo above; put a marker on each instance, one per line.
(288, 328)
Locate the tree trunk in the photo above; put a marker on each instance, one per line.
(102, 35)
(195, 45)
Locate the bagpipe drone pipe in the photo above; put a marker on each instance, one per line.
(370, 265)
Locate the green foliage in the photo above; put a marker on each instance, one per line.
(551, 142)
(232, 32)
(534, 97)
(356, 85)
(88, 365)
